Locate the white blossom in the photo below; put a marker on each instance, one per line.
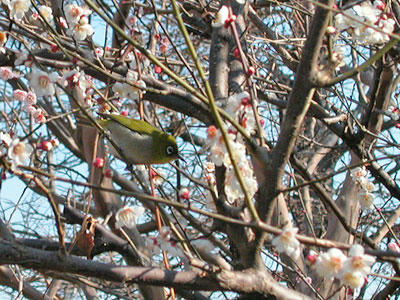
(363, 20)
(353, 279)
(329, 264)
(220, 156)
(43, 83)
(364, 186)
(164, 242)
(129, 91)
(288, 243)
(127, 216)
(358, 261)
(366, 199)
(81, 30)
(239, 107)
(19, 152)
(221, 17)
(74, 13)
(18, 8)
(46, 12)
(5, 138)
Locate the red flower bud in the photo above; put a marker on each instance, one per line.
(99, 162)
(251, 71)
(236, 53)
(157, 69)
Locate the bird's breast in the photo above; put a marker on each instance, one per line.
(136, 148)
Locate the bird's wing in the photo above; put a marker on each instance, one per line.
(140, 126)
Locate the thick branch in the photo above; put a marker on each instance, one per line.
(243, 282)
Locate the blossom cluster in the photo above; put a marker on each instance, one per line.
(163, 241)
(127, 217)
(125, 90)
(29, 100)
(78, 79)
(78, 21)
(239, 107)
(364, 186)
(219, 156)
(352, 270)
(367, 23)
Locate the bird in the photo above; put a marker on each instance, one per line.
(137, 142)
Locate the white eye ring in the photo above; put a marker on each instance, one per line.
(170, 150)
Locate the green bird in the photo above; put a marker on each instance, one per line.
(138, 142)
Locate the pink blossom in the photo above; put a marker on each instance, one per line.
(6, 73)
(19, 95)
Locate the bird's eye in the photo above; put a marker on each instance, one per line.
(170, 150)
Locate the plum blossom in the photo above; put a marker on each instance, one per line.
(164, 242)
(19, 152)
(30, 98)
(42, 83)
(5, 138)
(240, 108)
(288, 243)
(329, 264)
(353, 279)
(6, 73)
(184, 193)
(99, 52)
(77, 17)
(74, 12)
(393, 246)
(219, 156)
(75, 78)
(366, 199)
(217, 146)
(46, 13)
(157, 175)
(362, 20)
(18, 8)
(38, 115)
(356, 267)
(221, 17)
(127, 216)
(19, 95)
(358, 261)
(126, 90)
(364, 186)
(81, 30)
